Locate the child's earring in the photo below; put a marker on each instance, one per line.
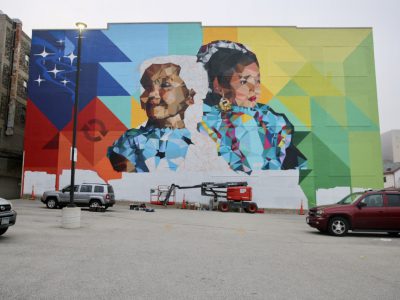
(224, 104)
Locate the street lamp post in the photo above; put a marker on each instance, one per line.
(81, 26)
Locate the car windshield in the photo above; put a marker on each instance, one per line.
(351, 198)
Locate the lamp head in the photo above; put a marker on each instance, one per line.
(81, 26)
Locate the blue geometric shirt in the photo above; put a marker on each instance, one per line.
(248, 138)
(139, 145)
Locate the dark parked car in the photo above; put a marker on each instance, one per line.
(7, 215)
(365, 211)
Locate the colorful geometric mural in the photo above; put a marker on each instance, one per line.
(314, 108)
(249, 136)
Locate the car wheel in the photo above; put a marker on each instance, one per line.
(3, 230)
(394, 234)
(94, 204)
(338, 226)
(51, 203)
(223, 206)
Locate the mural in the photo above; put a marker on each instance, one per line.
(248, 135)
(165, 100)
(292, 111)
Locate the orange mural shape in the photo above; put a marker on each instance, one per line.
(97, 129)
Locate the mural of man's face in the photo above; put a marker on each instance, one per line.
(165, 92)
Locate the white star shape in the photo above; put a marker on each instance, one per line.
(39, 80)
(64, 82)
(44, 53)
(55, 71)
(71, 57)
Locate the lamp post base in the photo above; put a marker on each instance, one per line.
(71, 217)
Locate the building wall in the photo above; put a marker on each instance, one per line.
(315, 136)
(14, 63)
(389, 181)
(392, 179)
(397, 179)
(387, 147)
(391, 145)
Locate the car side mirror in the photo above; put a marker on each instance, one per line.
(361, 204)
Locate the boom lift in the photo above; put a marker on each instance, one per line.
(233, 195)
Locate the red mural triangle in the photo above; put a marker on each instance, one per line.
(39, 133)
(53, 144)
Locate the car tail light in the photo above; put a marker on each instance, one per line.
(108, 196)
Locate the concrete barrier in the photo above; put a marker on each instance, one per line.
(71, 217)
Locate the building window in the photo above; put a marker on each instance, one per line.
(6, 76)
(3, 106)
(22, 88)
(384, 178)
(20, 113)
(9, 44)
(27, 60)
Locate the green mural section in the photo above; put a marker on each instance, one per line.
(336, 86)
(184, 40)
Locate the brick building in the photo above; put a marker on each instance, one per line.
(14, 65)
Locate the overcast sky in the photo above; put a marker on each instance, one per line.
(382, 15)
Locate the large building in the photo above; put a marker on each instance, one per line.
(14, 62)
(292, 111)
(391, 146)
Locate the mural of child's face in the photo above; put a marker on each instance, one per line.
(244, 87)
(165, 93)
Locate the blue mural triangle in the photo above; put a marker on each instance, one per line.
(145, 40)
(107, 85)
(123, 73)
(96, 47)
(87, 84)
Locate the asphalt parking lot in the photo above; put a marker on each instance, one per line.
(188, 254)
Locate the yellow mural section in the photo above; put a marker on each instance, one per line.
(220, 33)
(138, 114)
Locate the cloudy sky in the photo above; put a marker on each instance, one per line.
(381, 15)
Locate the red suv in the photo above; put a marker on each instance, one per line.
(365, 211)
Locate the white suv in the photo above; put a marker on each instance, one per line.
(7, 215)
(85, 194)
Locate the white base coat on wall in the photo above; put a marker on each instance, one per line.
(334, 195)
(41, 181)
(271, 189)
